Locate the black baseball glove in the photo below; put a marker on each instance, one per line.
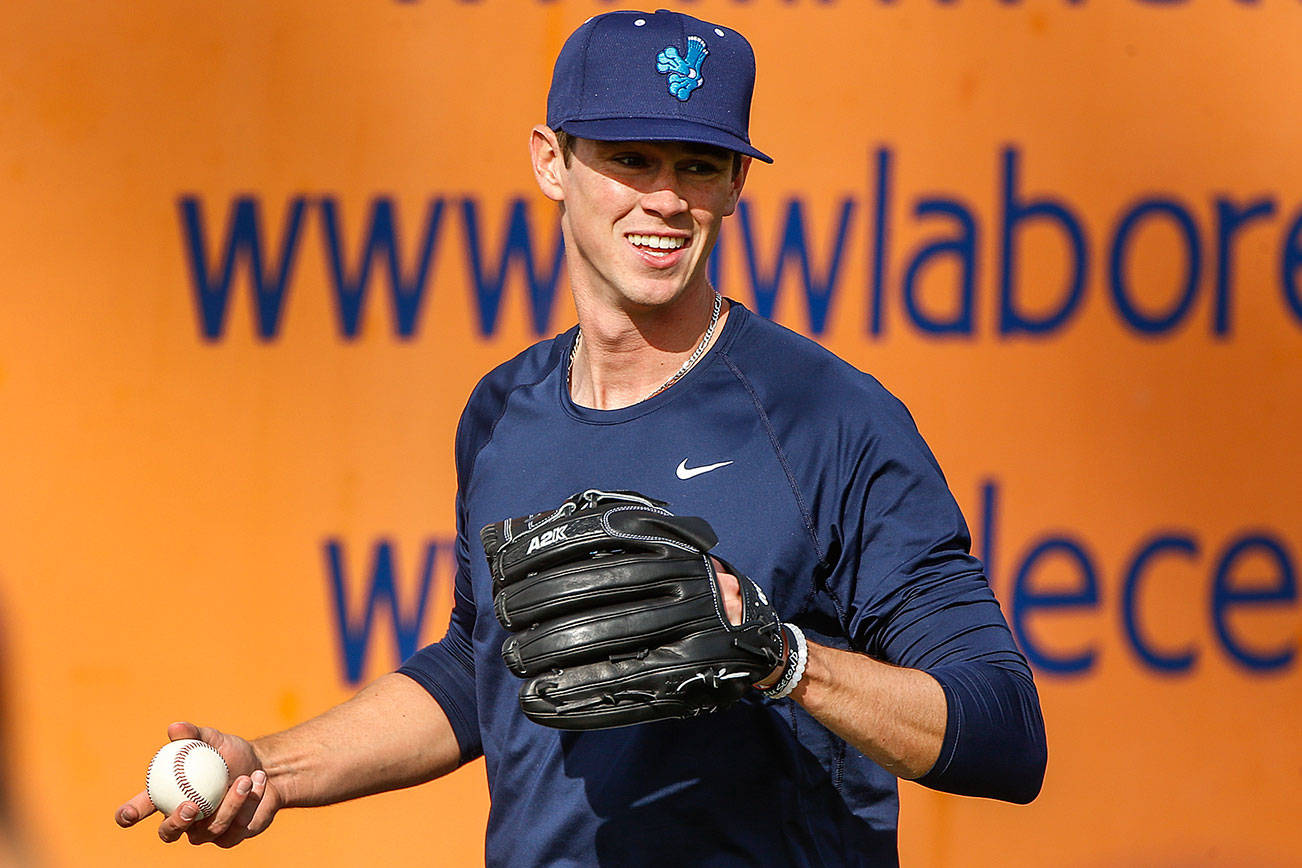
(616, 616)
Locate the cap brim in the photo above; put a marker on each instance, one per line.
(660, 130)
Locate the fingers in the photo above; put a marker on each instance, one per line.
(731, 590)
(211, 736)
(236, 818)
(181, 820)
(222, 820)
(268, 804)
(241, 827)
(139, 806)
(243, 813)
(134, 810)
(182, 729)
(228, 826)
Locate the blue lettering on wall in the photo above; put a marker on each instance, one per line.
(1016, 212)
(1223, 588)
(880, 192)
(212, 289)
(1162, 545)
(354, 627)
(260, 248)
(406, 287)
(1229, 219)
(1159, 323)
(794, 245)
(1229, 593)
(1290, 258)
(518, 247)
(962, 248)
(1029, 598)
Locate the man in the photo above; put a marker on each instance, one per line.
(813, 477)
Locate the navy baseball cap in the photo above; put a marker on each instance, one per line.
(635, 76)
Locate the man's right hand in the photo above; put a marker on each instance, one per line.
(247, 809)
(392, 734)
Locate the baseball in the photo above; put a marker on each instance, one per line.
(187, 770)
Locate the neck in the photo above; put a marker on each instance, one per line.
(624, 356)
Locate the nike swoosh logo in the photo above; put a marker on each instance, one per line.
(685, 472)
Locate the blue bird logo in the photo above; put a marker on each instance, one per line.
(684, 73)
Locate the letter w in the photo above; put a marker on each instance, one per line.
(519, 245)
(407, 293)
(818, 291)
(243, 242)
(354, 631)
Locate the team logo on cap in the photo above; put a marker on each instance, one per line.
(684, 73)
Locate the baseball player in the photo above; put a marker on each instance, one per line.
(740, 602)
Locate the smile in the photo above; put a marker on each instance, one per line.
(655, 244)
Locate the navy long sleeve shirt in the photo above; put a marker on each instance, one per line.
(827, 497)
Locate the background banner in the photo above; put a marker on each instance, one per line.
(256, 255)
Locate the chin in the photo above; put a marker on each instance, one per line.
(640, 290)
(654, 293)
(651, 299)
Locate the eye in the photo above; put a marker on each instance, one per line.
(703, 168)
(630, 160)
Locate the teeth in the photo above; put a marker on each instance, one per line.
(658, 242)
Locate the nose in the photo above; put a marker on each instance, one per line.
(662, 196)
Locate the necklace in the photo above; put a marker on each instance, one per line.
(687, 365)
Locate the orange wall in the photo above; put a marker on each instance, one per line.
(170, 499)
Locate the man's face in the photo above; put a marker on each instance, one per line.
(642, 217)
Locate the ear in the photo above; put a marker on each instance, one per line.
(548, 162)
(738, 181)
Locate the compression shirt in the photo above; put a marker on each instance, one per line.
(822, 491)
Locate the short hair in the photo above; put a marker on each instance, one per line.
(566, 141)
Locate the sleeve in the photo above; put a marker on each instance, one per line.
(915, 597)
(447, 668)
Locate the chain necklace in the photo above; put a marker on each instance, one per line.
(687, 365)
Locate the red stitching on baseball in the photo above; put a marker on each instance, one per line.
(183, 782)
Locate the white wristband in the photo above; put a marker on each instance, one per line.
(795, 668)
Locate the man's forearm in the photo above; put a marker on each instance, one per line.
(392, 734)
(894, 716)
